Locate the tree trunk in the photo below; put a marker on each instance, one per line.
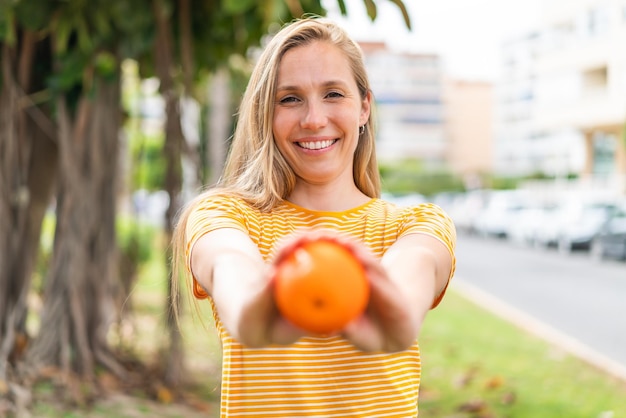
(78, 306)
(174, 141)
(28, 165)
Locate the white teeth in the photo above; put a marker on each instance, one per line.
(317, 144)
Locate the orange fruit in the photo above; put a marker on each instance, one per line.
(321, 287)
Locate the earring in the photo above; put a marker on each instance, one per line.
(361, 129)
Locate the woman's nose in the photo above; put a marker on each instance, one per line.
(314, 116)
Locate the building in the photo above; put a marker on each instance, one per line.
(562, 97)
(469, 129)
(408, 91)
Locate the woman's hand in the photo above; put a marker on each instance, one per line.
(229, 267)
(404, 285)
(389, 322)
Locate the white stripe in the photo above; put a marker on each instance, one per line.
(321, 373)
(262, 384)
(294, 359)
(286, 409)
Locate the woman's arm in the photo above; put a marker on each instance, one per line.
(228, 265)
(404, 285)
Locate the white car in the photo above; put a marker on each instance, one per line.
(503, 209)
(574, 224)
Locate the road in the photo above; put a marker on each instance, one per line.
(568, 299)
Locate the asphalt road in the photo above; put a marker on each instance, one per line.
(568, 299)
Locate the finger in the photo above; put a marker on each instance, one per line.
(364, 334)
(284, 332)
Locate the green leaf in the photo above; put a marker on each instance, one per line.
(342, 7)
(34, 14)
(237, 6)
(84, 39)
(7, 28)
(61, 31)
(371, 9)
(106, 64)
(69, 73)
(405, 13)
(102, 24)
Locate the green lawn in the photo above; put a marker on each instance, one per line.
(478, 365)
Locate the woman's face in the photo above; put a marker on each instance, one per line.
(317, 113)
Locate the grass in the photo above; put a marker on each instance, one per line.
(475, 365)
(478, 365)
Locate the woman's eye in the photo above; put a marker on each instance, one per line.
(288, 99)
(334, 94)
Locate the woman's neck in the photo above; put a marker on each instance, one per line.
(328, 198)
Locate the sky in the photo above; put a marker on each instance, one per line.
(468, 34)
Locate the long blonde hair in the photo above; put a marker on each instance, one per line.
(255, 170)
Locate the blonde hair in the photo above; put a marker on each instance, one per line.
(255, 170)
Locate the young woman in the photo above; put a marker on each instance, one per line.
(302, 166)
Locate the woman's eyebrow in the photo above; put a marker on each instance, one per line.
(325, 84)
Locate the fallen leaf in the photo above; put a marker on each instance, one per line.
(164, 395)
(466, 378)
(474, 406)
(4, 387)
(494, 383)
(509, 398)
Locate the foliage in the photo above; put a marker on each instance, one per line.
(135, 239)
(148, 161)
(496, 182)
(46, 243)
(411, 176)
(503, 182)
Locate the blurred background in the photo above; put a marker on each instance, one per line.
(509, 114)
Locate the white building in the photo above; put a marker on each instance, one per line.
(562, 98)
(408, 90)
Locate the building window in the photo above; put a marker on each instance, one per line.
(597, 21)
(595, 80)
(604, 148)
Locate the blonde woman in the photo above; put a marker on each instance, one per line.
(302, 166)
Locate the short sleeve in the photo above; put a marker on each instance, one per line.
(430, 219)
(210, 214)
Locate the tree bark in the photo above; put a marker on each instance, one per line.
(28, 166)
(174, 141)
(79, 306)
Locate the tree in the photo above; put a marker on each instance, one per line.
(61, 87)
(28, 146)
(60, 120)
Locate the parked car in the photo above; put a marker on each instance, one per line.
(503, 209)
(531, 220)
(610, 241)
(582, 224)
(466, 208)
(574, 223)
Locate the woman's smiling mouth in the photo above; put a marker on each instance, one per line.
(317, 145)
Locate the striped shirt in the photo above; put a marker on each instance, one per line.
(325, 376)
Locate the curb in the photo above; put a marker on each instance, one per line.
(540, 329)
